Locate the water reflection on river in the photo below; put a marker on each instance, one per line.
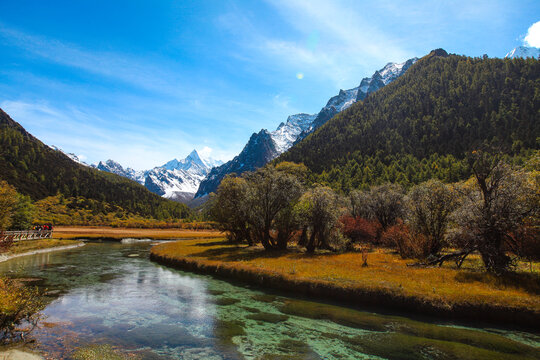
(112, 294)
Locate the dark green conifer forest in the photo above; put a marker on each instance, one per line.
(39, 171)
(422, 125)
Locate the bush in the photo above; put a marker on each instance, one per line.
(408, 245)
(337, 241)
(5, 245)
(360, 230)
(19, 305)
(525, 243)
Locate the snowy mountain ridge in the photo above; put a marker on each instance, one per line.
(72, 156)
(287, 133)
(265, 146)
(176, 180)
(524, 52)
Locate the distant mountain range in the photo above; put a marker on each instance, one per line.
(176, 180)
(265, 146)
(194, 177)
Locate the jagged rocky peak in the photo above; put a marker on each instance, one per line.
(392, 70)
(383, 77)
(343, 100)
(259, 150)
(72, 156)
(261, 143)
(115, 168)
(524, 52)
(193, 159)
(264, 146)
(176, 180)
(110, 164)
(287, 133)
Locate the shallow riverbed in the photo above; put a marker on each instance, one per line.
(110, 293)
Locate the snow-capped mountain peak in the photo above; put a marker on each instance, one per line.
(192, 160)
(262, 147)
(524, 52)
(176, 179)
(391, 71)
(72, 156)
(115, 168)
(287, 133)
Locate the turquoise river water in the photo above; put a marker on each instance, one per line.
(111, 293)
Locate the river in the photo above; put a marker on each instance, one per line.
(110, 293)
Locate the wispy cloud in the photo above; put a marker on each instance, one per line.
(331, 40)
(151, 106)
(132, 145)
(133, 71)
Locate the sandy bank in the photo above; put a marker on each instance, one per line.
(18, 355)
(40, 251)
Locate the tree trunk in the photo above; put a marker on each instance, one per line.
(311, 244)
(282, 240)
(303, 238)
(266, 240)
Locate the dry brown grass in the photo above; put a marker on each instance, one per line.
(92, 232)
(386, 273)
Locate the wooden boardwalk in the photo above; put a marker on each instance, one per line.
(25, 235)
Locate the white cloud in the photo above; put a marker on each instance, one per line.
(333, 40)
(533, 35)
(205, 152)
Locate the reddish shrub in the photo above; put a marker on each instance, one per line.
(525, 243)
(408, 244)
(6, 244)
(360, 230)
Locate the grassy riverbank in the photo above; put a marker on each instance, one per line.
(94, 232)
(21, 247)
(386, 281)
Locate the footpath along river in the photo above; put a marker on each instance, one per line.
(111, 293)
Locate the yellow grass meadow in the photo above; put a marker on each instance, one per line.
(92, 232)
(386, 273)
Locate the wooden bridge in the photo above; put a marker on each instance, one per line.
(24, 235)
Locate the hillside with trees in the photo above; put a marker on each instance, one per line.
(38, 171)
(422, 125)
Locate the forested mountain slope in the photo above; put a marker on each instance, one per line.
(422, 125)
(264, 146)
(40, 171)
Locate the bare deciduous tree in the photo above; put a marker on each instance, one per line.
(493, 209)
(229, 208)
(430, 206)
(270, 192)
(320, 210)
(386, 204)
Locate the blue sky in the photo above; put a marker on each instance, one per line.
(143, 82)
